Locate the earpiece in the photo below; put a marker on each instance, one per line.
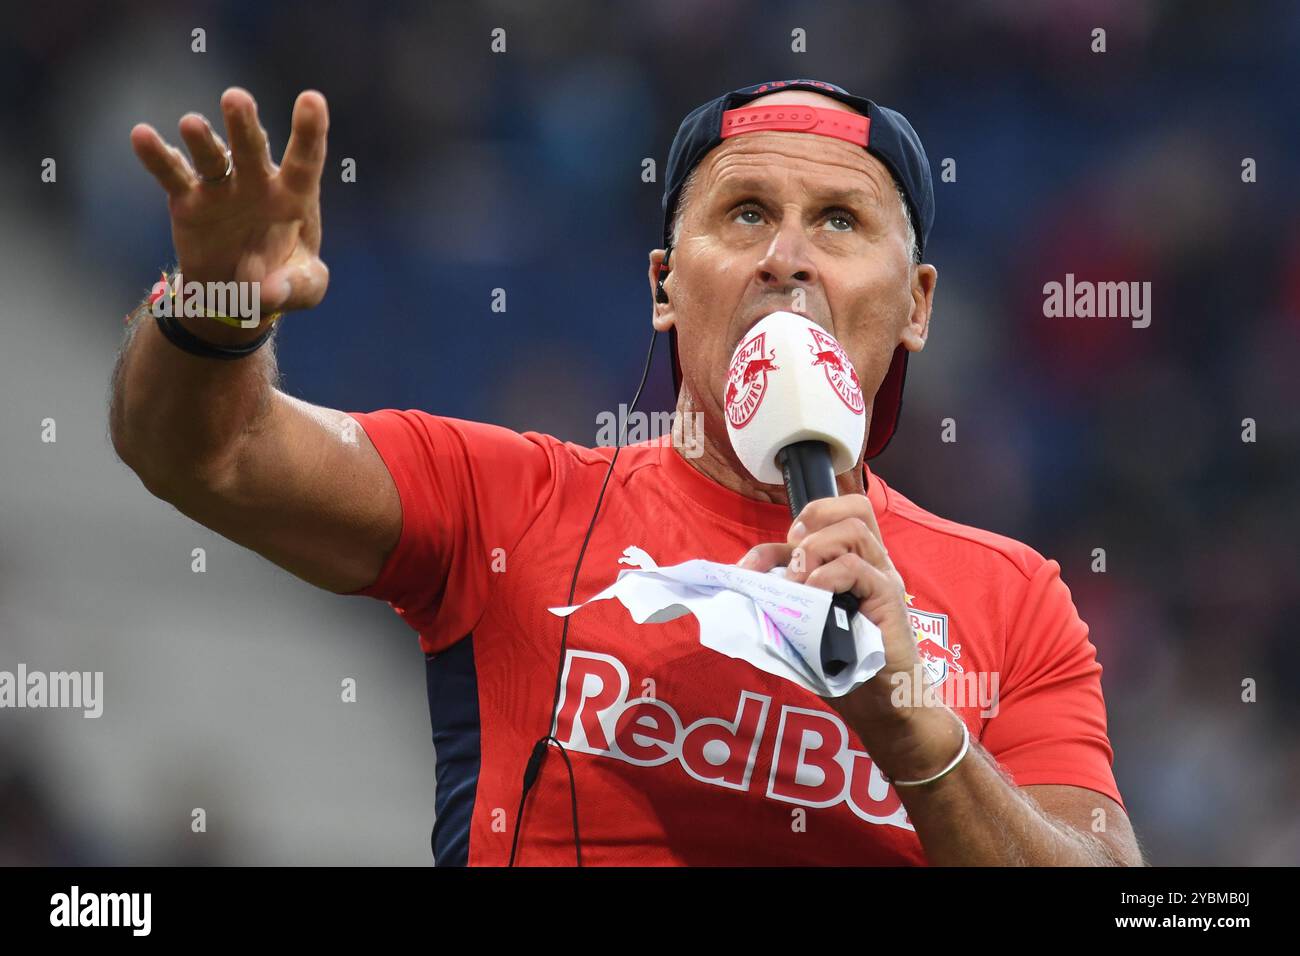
(661, 296)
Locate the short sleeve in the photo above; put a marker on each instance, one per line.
(1050, 727)
(467, 489)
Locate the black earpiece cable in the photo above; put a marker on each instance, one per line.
(535, 760)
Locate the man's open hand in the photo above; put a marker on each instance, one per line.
(262, 222)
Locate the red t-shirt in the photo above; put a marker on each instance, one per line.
(682, 755)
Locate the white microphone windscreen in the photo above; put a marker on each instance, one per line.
(789, 381)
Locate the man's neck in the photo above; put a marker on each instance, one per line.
(712, 456)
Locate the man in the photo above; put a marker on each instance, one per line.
(647, 747)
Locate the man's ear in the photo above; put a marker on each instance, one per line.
(662, 316)
(917, 330)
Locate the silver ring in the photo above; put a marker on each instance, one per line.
(230, 166)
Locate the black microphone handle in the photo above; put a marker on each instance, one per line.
(809, 475)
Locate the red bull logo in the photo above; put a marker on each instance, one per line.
(839, 370)
(811, 762)
(931, 632)
(938, 654)
(747, 381)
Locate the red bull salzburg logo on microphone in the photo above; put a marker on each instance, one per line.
(747, 381)
(839, 370)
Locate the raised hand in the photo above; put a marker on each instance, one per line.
(235, 214)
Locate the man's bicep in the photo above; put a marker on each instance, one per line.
(309, 492)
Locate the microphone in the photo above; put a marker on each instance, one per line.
(796, 415)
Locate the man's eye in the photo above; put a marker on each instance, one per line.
(839, 222)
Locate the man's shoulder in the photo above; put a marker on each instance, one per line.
(577, 456)
(990, 550)
(495, 438)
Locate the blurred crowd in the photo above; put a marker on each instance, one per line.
(522, 170)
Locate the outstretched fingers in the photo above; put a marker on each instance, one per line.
(165, 163)
(304, 157)
(207, 151)
(248, 146)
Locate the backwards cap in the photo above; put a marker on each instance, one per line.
(884, 133)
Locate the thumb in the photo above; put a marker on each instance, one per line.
(295, 285)
(765, 557)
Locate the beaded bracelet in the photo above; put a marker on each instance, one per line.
(185, 340)
(164, 287)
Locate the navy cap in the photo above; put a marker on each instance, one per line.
(888, 136)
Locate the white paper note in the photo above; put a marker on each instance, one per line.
(762, 618)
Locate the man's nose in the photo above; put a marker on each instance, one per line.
(787, 263)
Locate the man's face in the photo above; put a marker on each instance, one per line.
(795, 222)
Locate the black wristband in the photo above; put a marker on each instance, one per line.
(185, 340)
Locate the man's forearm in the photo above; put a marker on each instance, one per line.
(975, 815)
(178, 416)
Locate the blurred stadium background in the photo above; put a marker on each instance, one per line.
(522, 171)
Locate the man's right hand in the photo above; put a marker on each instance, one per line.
(300, 484)
(262, 222)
